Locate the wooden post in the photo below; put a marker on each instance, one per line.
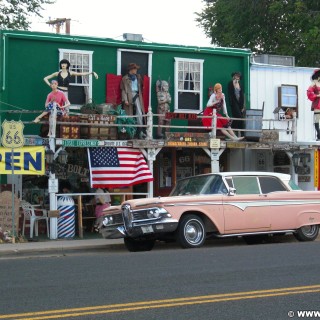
(80, 216)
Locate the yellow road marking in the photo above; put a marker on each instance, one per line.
(155, 304)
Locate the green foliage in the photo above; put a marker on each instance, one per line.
(128, 123)
(15, 14)
(284, 27)
(89, 108)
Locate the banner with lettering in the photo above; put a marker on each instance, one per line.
(26, 160)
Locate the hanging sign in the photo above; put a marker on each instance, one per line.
(26, 160)
(187, 139)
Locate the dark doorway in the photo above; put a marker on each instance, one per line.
(140, 58)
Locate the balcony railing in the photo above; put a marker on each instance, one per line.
(261, 126)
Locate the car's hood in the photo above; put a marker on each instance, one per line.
(163, 201)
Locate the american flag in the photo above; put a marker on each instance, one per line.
(117, 167)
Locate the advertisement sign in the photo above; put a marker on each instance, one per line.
(26, 160)
(6, 211)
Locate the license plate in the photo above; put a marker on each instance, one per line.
(147, 229)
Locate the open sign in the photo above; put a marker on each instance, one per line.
(26, 160)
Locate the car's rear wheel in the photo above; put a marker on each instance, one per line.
(307, 233)
(191, 232)
(136, 245)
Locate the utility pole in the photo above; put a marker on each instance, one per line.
(60, 22)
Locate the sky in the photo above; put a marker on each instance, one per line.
(164, 21)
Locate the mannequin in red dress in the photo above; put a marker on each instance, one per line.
(313, 94)
(216, 103)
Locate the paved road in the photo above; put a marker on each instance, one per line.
(223, 280)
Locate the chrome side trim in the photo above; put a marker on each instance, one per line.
(194, 204)
(252, 233)
(242, 205)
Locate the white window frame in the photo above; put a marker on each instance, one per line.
(86, 80)
(197, 90)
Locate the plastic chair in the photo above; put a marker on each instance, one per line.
(34, 215)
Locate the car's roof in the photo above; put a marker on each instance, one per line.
(282, 176)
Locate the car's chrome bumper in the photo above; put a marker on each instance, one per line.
(140, 229)
(112, 232)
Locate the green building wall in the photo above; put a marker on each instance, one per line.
(27, 57)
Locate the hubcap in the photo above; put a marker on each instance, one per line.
(193, 232)
(308, 230)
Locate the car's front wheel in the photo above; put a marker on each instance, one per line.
(191, 232)
(136, 245)
(307, 233)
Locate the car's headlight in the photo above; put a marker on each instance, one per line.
(107, 220)
(153, 213)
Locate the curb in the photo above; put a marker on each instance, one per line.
(57, 246)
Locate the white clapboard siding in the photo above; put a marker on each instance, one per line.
(264, 83)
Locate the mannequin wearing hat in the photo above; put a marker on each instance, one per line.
(64, 76)
(236, 100)
(313, 94)
(131, 95)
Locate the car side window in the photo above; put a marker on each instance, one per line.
(271, 184)
(246, 185)
(218, 187)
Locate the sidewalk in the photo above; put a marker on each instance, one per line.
(56, 246)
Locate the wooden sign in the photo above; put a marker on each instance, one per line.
(304, 178)
(187, 139)
(6, 211)
(70, 131)
(181, 116)
(93, 131)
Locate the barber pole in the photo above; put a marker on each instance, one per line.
(66, 221)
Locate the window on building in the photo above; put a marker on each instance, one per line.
(188, 75)
(80, 89)
(288, 98)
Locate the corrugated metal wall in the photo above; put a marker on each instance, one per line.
(264, 83)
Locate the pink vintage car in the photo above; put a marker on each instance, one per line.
(228, 204)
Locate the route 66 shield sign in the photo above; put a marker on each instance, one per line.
(12, 135)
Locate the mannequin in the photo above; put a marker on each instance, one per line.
(313, 94)
(217, 103)
(236, 100)
(64, 76)
(131, 94)
(56, 104)
(164, 98)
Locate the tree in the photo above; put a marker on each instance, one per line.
(284, 27)
(14, 14)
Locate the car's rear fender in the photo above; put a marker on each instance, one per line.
(307, 218)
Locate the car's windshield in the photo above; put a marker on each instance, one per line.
(206, 184)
